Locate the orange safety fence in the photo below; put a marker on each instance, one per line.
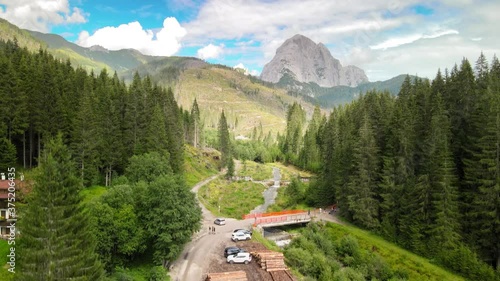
(275, 219)
(273, 214)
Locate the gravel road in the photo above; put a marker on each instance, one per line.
(194, 261)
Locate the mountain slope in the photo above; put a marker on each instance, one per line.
(93, 57)
(246, 101)
(307, 61)
(332, 96)
(9, 31)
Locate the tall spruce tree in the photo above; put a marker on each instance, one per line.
(197, 125)
(362, 184)
(224, 141)
(56, 242)
(445, 228)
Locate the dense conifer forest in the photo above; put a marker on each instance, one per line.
(422, 169)
(101, 119)
(79, 129)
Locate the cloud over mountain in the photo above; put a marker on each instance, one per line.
(165, 42)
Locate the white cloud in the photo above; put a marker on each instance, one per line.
(246, 71)
(40, 15)
(76, 17)
(210, 52)
(165, 42)
(398, 41)
(424, 57)
(369, 34)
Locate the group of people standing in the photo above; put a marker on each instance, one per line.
(211, 230)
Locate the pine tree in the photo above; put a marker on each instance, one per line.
(362, 185)
(481, 72)
(156, 135)
(197, 125)
(57, 243)
(445, 228)
(7, 154)
(224, 141)
(484, 170)
(173, 126)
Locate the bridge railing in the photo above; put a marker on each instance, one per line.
(298, 217)
(273, 214)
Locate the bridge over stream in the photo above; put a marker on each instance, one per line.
(279, 218)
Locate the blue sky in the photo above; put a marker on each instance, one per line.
(385, 38)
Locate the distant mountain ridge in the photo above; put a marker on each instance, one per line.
(169, 71)
(120, 60)
(329, 97)
(305, 61)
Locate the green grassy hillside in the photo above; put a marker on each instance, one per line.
(246, 102)
(9, 31)
(5, 275)
(337, 252)
(198, 164)
(94, 57)
(234, 198)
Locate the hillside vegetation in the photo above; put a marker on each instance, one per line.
(9, 31)
(246, 103)
(421, 169)
(234, 198)
(332, 252)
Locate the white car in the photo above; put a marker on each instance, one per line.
(220, 221)
(240, 236)
(239, 258)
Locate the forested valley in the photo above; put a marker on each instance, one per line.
(421, 169)
(81, 129)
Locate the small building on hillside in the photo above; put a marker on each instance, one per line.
(5, 216)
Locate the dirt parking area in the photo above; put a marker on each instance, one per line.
(253, 271)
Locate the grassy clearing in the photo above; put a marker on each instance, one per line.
(92, 193)
(417, 268)
(139, 270)
(197, 166)
(290, 171)
(235, 198)
(281, 203)
(257, 171)
(5, 275)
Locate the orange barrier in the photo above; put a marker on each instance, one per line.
(273, 214)
(283, 218)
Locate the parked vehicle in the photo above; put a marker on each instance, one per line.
(240, 236)
(232, 251)
(220, 221)
(243, 230)
(239, 258)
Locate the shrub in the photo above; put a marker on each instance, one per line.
(158, 273)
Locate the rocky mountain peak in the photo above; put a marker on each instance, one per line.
(307, 61)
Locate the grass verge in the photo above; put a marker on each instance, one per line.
(5, 275)
(234, 198)
(197, 166)
(289, 171)
(92, 193)
(257, 171)
(416, 267)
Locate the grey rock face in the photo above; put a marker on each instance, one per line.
(307, 61)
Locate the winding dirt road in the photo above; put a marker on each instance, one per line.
(194, 261)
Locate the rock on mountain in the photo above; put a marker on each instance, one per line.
(307, 61)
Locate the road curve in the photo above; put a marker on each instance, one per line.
(192, 264)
